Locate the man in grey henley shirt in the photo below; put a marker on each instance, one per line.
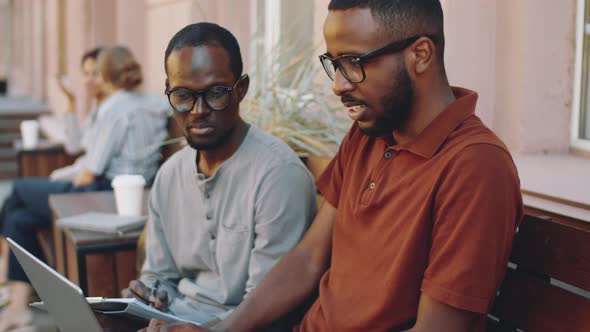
(226, 208)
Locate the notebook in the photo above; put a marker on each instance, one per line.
(102, 222)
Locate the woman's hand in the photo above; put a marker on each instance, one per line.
(84, 178)
(65, 87)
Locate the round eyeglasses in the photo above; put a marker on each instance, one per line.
(216, 97)
(351, 66)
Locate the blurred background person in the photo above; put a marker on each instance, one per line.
(69, 128)
(123, 137)
(75, 132)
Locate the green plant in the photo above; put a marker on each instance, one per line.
(289, 100)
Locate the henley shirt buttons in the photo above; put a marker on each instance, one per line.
(208, 216)
(213, 236)
(388, 155)
(206, 195)
(372, 185)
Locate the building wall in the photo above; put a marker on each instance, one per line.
(470, 51)
(5, 37)
(547, 75)
(164, 18)
(21, 60)
(509, 80)
(518, 55)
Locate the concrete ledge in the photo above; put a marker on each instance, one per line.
(15, 106)
(556, 183)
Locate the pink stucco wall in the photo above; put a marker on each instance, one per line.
(519, 55)
(548, 66)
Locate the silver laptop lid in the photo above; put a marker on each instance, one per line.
(63, 299)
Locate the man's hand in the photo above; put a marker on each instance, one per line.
(161, 326)
(84, 178)
(140, 291)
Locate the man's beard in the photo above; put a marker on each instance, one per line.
(397, 106)
(209, 144)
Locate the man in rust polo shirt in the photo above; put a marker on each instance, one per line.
(422, 200)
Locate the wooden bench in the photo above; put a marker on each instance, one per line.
(549, 272)
(547, 284)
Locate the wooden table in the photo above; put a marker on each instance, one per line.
(42, 159)
(101, 264)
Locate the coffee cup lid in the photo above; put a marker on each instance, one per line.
(128, 180)
(29, 122)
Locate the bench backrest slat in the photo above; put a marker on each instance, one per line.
(553, 249)
(533, 304)
(543, 250)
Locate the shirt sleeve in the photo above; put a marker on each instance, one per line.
(111, 132)
(159, 263)
(477, 208)
(330, 181)
(73, 133)
(285, 206)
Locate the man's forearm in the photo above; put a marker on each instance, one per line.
(283, 290)
(292, 281)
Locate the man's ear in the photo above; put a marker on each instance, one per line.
(167, 84)
(243, 86)
(423, 53)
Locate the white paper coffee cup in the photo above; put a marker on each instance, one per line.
(29, 130)
(128, 191)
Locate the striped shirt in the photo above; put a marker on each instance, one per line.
(76, 137)
(126, 136)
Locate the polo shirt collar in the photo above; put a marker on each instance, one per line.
(431, 138)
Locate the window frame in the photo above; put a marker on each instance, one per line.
(581, 79)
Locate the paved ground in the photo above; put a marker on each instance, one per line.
(41, 323)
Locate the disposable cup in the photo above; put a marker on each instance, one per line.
(128, 191)
(29, 130)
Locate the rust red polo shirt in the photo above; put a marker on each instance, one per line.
(436, 216)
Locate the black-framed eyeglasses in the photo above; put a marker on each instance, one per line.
(216, 97)
(351, 66)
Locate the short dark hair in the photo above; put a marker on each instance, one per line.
(92, 54)
(204, 33)
(403, 18)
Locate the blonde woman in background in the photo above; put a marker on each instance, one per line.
(75, 140)
(75, 129)
(123, 138)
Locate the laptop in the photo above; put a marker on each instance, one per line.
(63, 299)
